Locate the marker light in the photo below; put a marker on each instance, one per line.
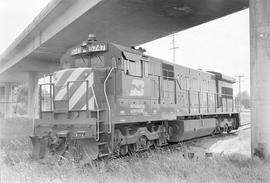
(84, 44)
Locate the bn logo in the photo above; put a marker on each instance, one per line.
(138, 88)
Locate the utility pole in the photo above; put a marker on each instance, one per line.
(174, 47)
(239, 96)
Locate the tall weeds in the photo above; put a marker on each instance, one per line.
(156, 166)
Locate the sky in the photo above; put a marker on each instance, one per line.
(15, 15)
(221, 45)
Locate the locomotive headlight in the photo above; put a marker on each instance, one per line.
(84, 44)
(76, 114)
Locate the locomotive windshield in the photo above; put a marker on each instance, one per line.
(93, 60)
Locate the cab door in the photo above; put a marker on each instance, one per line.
(136, 94)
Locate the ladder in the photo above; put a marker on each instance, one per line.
(103, 122)
(102, 128)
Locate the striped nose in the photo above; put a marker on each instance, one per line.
(74, 86)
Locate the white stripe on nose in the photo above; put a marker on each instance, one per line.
(91, 104)
(73, 77)
(81, 91)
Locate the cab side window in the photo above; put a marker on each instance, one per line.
(135, 64)
(146, 68)
(133, 68)
(132, 64)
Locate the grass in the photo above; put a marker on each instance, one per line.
(15, 128)
(155, 166)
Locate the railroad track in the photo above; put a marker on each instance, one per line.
(245, 124)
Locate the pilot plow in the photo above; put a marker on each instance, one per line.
(65, 147)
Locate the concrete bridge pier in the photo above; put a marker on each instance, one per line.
(33, 108)
(7, 100)
(260, 77)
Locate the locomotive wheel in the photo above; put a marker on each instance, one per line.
(143, 143)
(226, 128)
(131, 149)
(82, 150)
(216, 131)
(156, 144)
(123, 150)
(229, 130)
(213, 133)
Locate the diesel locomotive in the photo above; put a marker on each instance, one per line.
(108, 99)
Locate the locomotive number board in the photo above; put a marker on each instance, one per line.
(95, 47)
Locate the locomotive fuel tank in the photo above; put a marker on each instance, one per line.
(181, 130)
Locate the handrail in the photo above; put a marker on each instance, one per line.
(107, 100)
(178, 84)
(226, 107)
(97, 122)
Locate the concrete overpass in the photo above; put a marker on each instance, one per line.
(65, 23)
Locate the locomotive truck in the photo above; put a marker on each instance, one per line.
(108, 99)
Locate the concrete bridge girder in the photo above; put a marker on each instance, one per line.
(19, 72)
(66, 23)
(55, 22)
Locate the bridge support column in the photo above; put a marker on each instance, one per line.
(33, 94)
(260, 77)
(7, 101)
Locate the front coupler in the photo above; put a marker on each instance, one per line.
(61, 144)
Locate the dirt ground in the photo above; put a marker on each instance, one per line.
(235, 143)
